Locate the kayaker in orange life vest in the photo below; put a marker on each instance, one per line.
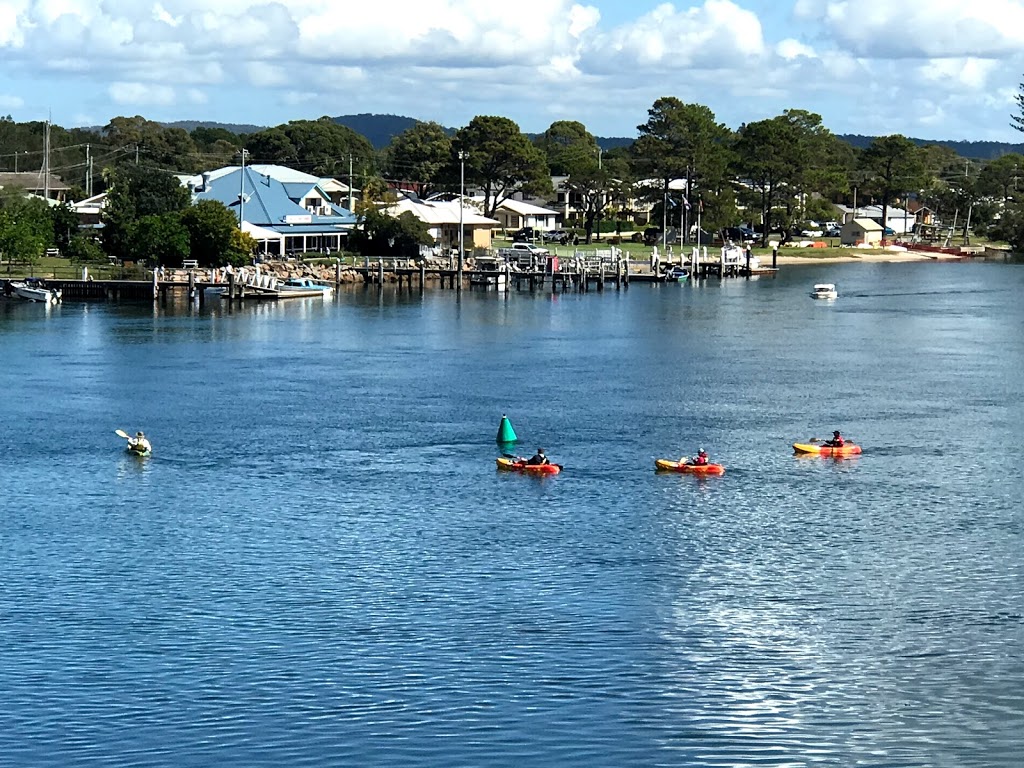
(837, 440)
(700, 459)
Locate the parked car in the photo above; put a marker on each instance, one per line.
(833, 230)
(738, 234)
(524, 249)
(525, 235)
(557, 236)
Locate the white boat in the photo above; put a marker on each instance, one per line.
(825, 291)
(33, 290)
(303, 286)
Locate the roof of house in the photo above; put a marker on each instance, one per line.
(868, 225)
(437, 212)
(31, 180)
(268, 203)
(523, 208)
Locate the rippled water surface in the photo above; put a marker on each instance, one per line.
(320, 565)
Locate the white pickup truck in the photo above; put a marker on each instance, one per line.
(521, 250)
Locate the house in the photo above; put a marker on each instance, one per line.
(899, 220)
(35, 182)
(861, 231)
(90, 211)
(514, 214)
(284, 217)
(442, 218)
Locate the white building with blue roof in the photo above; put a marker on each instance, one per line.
(286, 216)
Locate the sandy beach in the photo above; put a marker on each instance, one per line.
(791, 258)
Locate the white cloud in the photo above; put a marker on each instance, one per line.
(936, 29)
(11, 102)
(790, 49)
(141, 93)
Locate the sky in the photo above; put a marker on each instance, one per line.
(942, 69)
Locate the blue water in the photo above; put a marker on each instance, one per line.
(319, 565)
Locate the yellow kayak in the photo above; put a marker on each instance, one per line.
(850, 449)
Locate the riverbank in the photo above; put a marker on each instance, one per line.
(807, 256)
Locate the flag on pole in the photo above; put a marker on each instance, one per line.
(686, 202)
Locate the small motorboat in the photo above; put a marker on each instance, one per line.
(676, 275)
(521, 465)
(33, 289)
(668, 465)
(825, 291)
(303, 286)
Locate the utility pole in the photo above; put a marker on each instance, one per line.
(241, 191)
(88, 170)
(462, 206)
(350, 198)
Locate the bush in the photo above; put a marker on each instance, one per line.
(82, 249)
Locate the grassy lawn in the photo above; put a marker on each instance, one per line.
(60, 268)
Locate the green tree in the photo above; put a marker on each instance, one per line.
(1000, 176)
(134, 193)
(26, 229)
(383, 235)
(65, 225)
(83, 249)
(421, 154)
(763, 164)
(500, 160)
(316, 146)
(683, 141)
(568, 146)
(211, 227)
(893, 165)
(161, 238)
(1017, 121)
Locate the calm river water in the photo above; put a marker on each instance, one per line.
(319, 565)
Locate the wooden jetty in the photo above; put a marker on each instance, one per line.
(582, 272)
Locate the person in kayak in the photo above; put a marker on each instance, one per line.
(837, 440)
(538, 458)
(700, 459)
(139, 443)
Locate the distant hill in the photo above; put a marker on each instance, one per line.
(972, 150)
(378, 129)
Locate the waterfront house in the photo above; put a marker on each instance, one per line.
(515, 214)
(442, 218)
(36, 183)
(861, 231)
(899, 220)
(284, 217)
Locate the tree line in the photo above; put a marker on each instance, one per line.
(774, 174)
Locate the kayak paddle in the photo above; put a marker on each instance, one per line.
(122, 433)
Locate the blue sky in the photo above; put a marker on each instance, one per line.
(943, 69)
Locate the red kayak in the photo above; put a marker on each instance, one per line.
(667, 465)
(520, 465)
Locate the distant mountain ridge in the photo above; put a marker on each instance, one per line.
(379, 130)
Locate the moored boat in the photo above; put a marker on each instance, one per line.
(303, 286)
(34, 290)
(668, 465)
(811, 449)
(825, 291)
(520, 465)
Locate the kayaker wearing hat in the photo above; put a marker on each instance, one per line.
(837, 440)
(139, 443)
(539, 458)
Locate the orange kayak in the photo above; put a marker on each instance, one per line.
(513, 465)
(850, 449)
(667, 465)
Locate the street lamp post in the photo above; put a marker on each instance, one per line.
(462, 205)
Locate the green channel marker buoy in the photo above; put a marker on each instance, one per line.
(505, 432)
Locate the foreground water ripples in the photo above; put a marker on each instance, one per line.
(320, 564)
